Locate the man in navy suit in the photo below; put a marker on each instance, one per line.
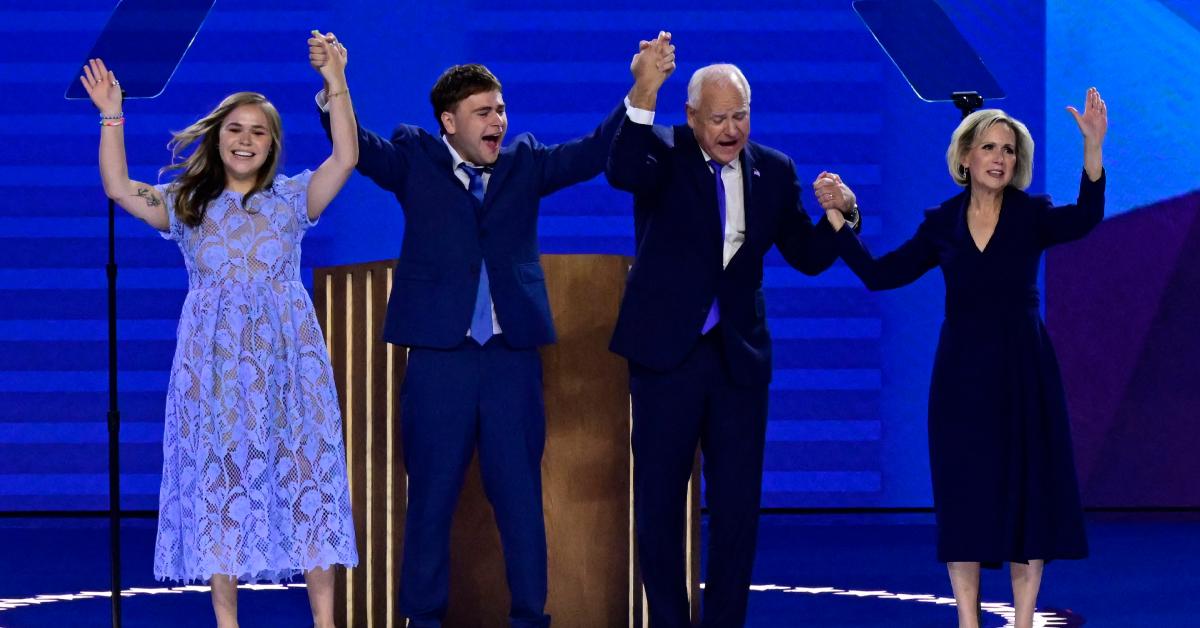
(708, 205)
(469, 300)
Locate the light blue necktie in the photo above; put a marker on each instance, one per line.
(481, 320)
(714, 312)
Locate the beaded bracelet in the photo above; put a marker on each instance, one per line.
(112, 122)
(336, 94)
(116, 116)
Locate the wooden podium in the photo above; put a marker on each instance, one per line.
(586, 468)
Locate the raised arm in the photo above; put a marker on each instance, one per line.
(379, 159)
(1093, 124)
(135, 197)
(581, 159)
(1070, 222)
(637, 153)
(328, 56)
(653, 63)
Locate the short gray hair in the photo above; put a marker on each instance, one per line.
(971, 128)
(716, 72)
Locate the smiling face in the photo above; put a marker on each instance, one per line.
(721, 122)
(245, 143)
(476, 127)
(992, 160)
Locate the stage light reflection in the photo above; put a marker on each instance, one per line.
(1046, 618)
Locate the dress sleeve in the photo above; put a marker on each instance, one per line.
(898, 268)
(294, 193)
(1071, 222)
(174, 231)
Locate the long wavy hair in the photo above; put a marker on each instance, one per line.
(203, 173)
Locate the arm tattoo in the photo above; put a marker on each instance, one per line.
(151, 198)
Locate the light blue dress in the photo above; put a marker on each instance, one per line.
(254, 471)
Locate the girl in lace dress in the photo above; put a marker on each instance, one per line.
(254, 476)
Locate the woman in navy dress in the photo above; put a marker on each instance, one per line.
(1004, 487)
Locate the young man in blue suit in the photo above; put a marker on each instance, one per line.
(708, 205)
(469, 300)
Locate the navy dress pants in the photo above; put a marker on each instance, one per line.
(454, 401)
(673, 411)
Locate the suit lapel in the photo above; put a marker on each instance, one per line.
(709, 213)
(443, 162)
(443, 166)
(750, 177)
(750, 218)
(500, 172)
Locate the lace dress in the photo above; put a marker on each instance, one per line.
(254, 472)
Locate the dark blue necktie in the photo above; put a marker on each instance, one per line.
(714, 312)
(481, 319)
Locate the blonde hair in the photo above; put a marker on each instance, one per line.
(974, 126)
(203, 176)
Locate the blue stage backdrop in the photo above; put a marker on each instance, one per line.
(847, 422)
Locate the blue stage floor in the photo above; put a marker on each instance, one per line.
(812, 570)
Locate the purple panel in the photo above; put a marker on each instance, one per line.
(1123, 308)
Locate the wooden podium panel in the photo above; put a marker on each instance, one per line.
(351, 302)
(586, 468)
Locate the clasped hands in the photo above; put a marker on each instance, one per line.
(835, 197)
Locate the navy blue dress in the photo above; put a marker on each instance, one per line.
(1004, 487)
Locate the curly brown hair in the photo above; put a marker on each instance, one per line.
(203, 173)
(457, 83)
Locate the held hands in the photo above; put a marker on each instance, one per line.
(102, 87)
(328, 57)
(654, 62)
(1093, 122)
(835, 197)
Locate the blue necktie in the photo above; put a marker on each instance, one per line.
(714, 312)
(481, 319)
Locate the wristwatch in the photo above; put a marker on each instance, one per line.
(852, 216)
